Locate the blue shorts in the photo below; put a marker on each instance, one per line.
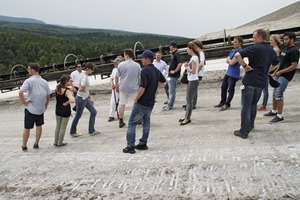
(30, 119)
(278, 92)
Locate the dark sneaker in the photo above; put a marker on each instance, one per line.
(219, 105)
(36, 146)
(141, 147)
(270, 114)
(225, 107)
(24, 148)
(121, 124)
(184, 106)
(61, 145)
(276, 119)
(129, 150)
(239, 134)
(110, 119)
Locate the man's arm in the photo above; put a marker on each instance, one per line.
(239, 58)
(286, 70)
(140, 92)
(22, 97)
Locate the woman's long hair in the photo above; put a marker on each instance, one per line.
(193, 47)
(62, 82)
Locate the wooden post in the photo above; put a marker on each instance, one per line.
(229, 40)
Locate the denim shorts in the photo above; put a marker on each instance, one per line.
(278, 92)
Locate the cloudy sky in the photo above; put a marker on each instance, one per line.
(188, 18)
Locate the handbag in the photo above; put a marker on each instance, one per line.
(273, 83)
(184, 79)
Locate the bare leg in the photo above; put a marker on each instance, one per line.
(25, 136)
(279, 106)
(38, 134)
(274, 104)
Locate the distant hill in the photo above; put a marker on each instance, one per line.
(286, 17)
(20, 20)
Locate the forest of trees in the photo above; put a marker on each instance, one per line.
(48, 44)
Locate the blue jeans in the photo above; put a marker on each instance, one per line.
(80, 105)
(138, 112)
(250, 97)
(228, 84)
(265, 92)
(278, 92)
(172, 82)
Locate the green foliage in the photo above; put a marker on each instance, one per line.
(48, 44)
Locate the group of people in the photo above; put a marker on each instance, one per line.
(131, 82)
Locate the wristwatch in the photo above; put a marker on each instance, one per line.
(245, 65)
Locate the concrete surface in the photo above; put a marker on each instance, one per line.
(202, 160)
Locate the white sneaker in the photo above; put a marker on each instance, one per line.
(94, 133)
(75, 135)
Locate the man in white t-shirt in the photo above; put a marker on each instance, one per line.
(76, 76)
(163, 68)
(127, 81)
(114, 100)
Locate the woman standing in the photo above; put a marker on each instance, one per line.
(63, 109)
(193, 81)
(275, 43)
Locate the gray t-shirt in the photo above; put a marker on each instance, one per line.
(37, 91)
(84, 81)
(129, 73)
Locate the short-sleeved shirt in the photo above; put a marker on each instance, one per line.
(76, 75)
(129, 73)
(37, 91)
(113, 75)
(160, 65)
(288, 56)
(261, 57)
(234, 70)
(176, 59)
(84, 81)
(150, 76)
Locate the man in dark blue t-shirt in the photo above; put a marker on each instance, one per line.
(261, 56)
(144, 101)
(284, 74)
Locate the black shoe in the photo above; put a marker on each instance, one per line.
(55, 144)
(185, 123)
(184, 106)
(129, 150)
(219, 105)
(141, 147)
(239, 134)
(181, 120)
(193, 108)
(110, 119)
(270, 114)
(24, 148)
(121, 124)
(166, 102)
(276, 119)
(36, 146)
(225, 107)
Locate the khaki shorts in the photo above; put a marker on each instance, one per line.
(124, 97)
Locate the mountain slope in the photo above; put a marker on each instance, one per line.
(20, 20)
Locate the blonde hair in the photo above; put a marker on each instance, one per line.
(276, 38)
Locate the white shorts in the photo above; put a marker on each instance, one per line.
(124, 97)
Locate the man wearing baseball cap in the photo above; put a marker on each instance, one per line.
(143, 103)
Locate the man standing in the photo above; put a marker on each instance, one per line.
(261, 56)
(76, 76)
(127, 81)
(284, 74)
(114, 100)
(174, 74)
(83, 100)
(143, 103)
(231, 77)
(163, 68)
(36, 101)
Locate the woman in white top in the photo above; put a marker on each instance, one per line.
(193, 81)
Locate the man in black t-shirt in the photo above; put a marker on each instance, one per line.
(284, 74)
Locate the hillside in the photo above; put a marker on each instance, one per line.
(286, 17)
(20, 20)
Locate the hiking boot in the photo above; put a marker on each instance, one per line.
(225, 107)
(36, 146)
(110, 119)
(94, 133)
(129, 150)
(239, 134)
(24, 148)
(75, 135)
(121, 123)
(276, 119)
(141, 147)
(219, 105)
(270, 114)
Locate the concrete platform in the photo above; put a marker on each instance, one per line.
(202, 160)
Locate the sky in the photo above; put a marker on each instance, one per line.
(187, 18)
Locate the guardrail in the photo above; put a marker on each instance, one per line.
(215, 48)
